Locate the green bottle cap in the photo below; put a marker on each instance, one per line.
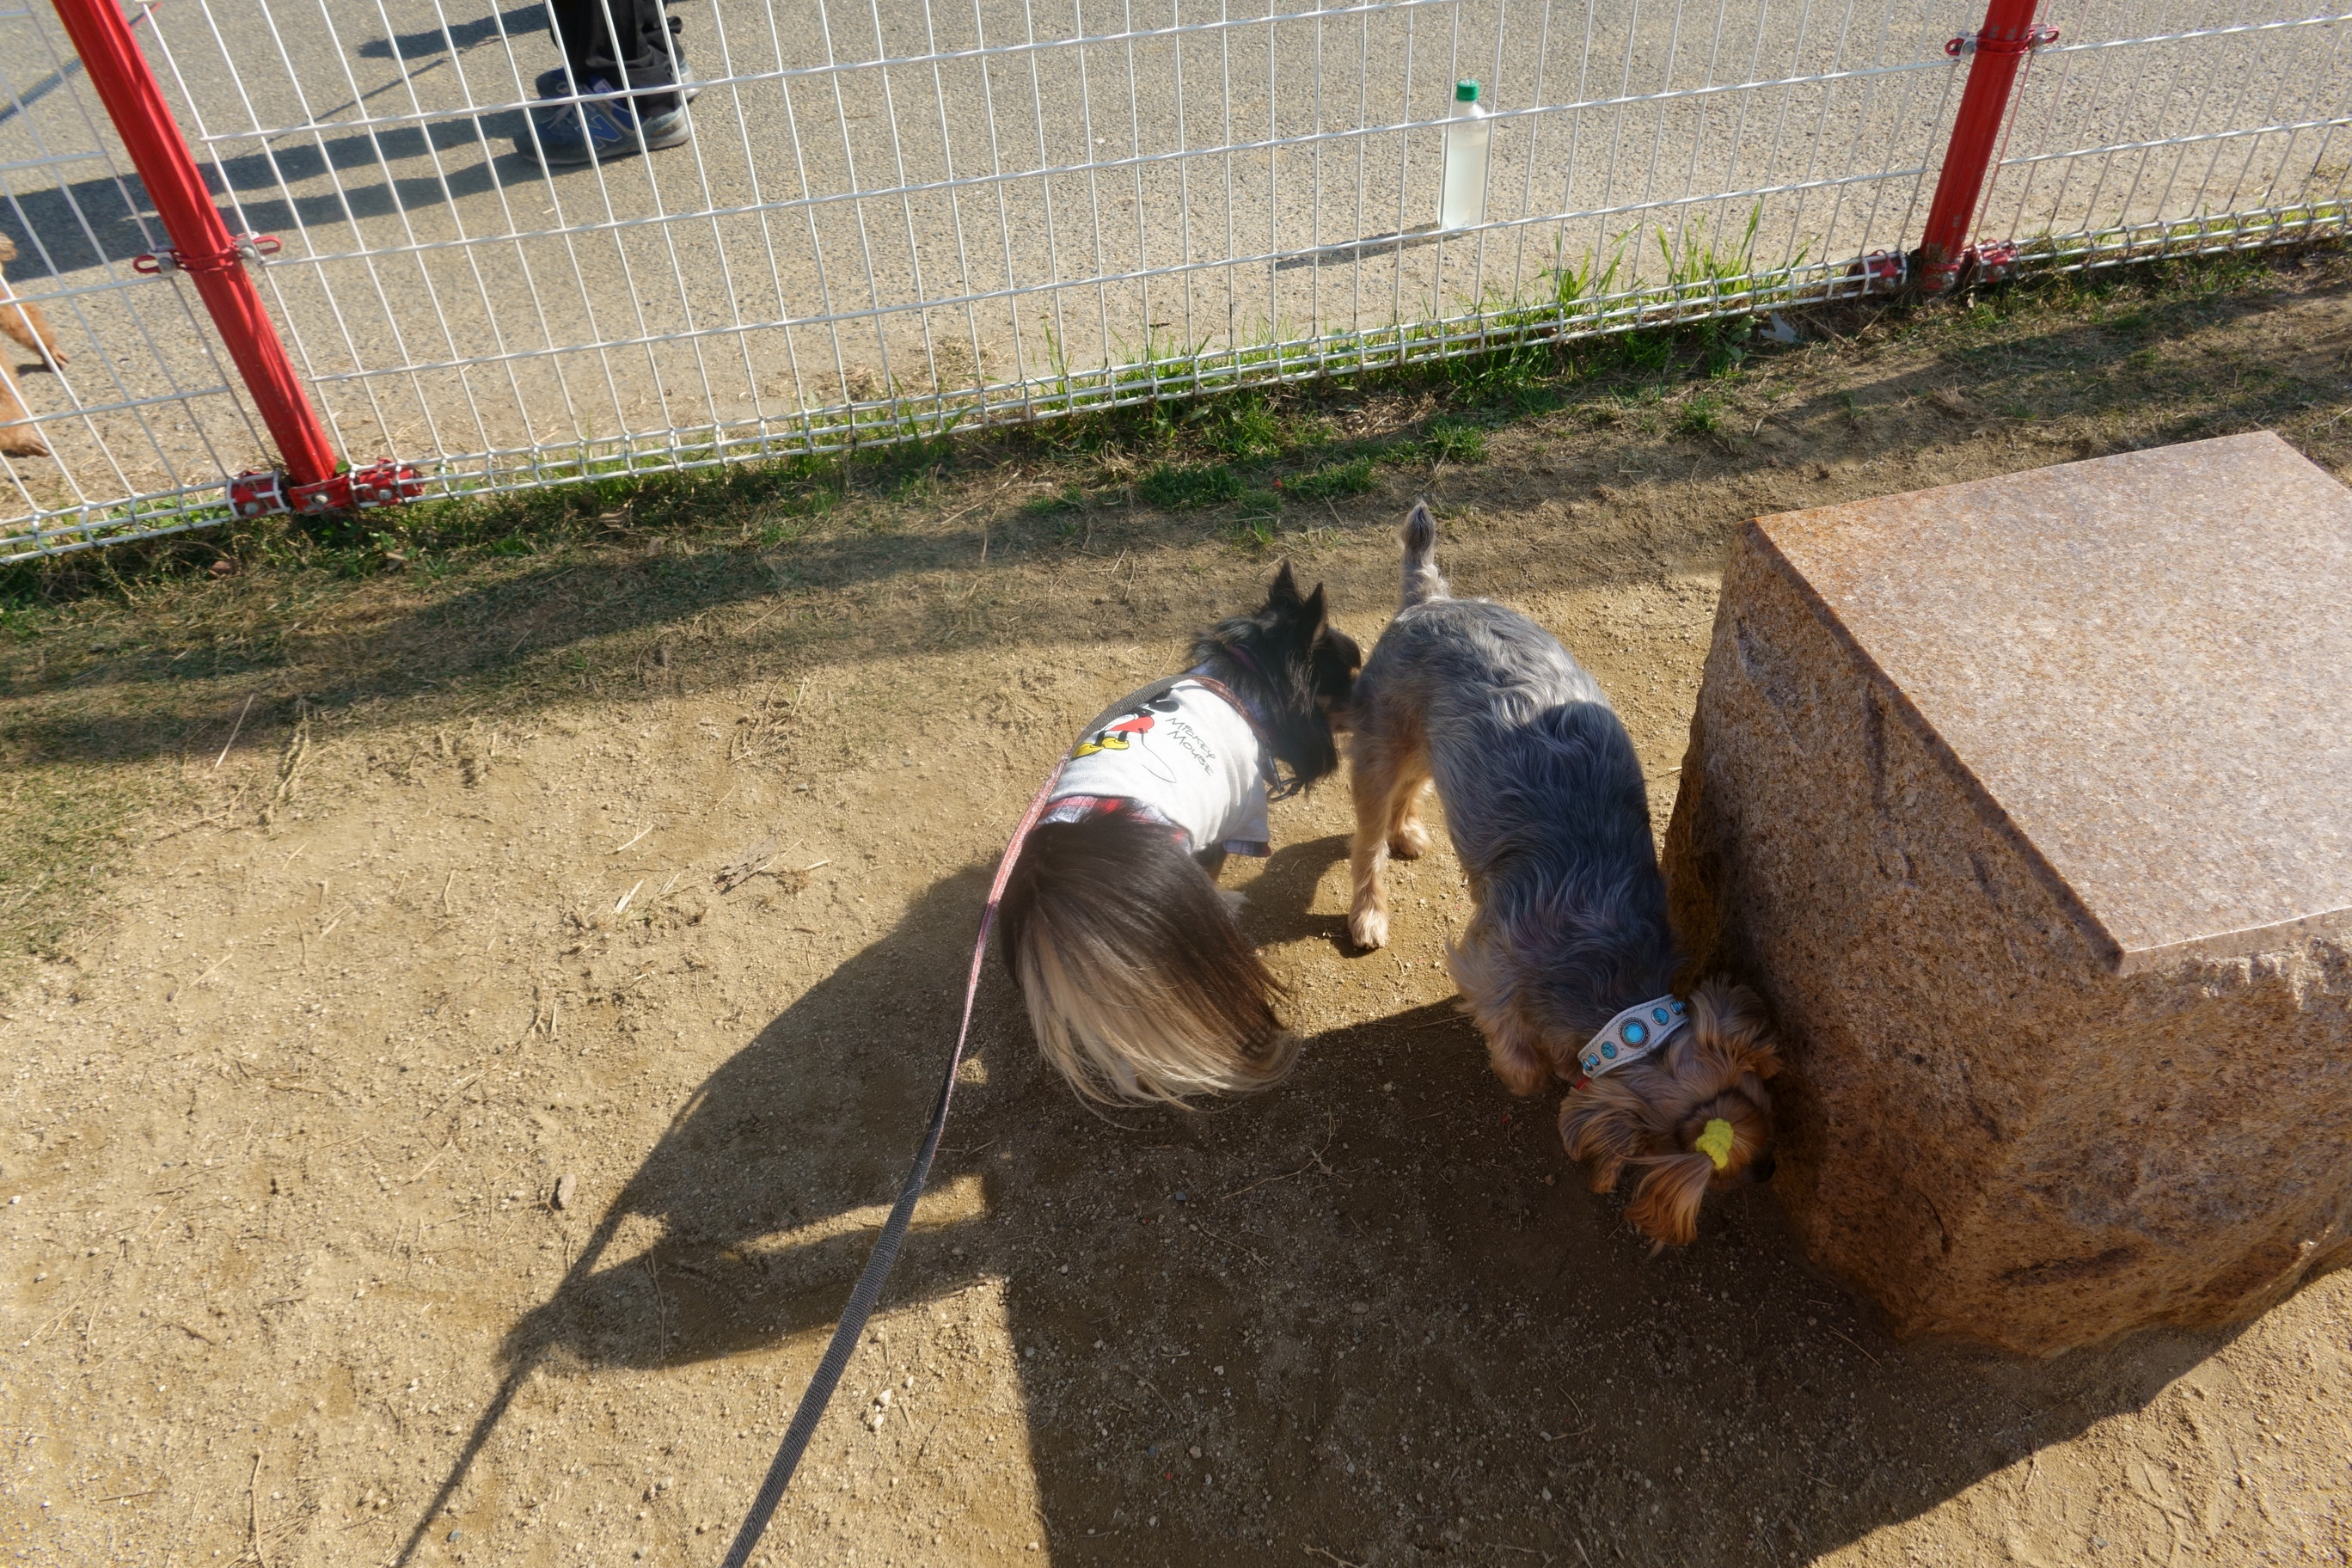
(1465, 93)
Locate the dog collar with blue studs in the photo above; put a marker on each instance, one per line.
(1631, 1036)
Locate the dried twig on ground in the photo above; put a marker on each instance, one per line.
(1314, 1161)
(253, 1497)
(760, 860)
(746, 866)
(289, 763)
(234, 730)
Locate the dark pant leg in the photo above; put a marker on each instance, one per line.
(627, 42)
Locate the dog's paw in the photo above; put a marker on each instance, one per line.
(1369, 928)
(1408, 842)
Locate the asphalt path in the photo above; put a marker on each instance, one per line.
(882, 195)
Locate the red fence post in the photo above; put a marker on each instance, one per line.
(2009, 35)
(206, 252)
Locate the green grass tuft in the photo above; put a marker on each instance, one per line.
(1703, 413)
(1183, 487)
(1351, 477)
(1455, 441)
(1241, 428)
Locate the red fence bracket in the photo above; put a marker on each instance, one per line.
(383, 484)
(2010, 34)
(214, 260)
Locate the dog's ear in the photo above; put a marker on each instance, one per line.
(1665, 1205)
(1312, 613)
(1284, 591)
(1604, 1128)
(1733, 1027)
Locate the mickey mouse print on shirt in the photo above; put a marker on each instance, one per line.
(1186, 759)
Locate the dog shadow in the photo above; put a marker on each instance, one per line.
(1281, 906)
(759, 1193)
(1372, 1313)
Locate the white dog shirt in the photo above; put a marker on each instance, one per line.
(1186, 759)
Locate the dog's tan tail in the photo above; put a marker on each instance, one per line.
(1422, 581)
(1141, 985)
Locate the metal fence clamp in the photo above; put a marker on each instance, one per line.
(256, 492)
(243, 248)
(2040, 35)
(362, 490)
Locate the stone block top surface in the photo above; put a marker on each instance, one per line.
(2141, 664)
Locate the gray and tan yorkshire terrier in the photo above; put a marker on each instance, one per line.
(1568, 961)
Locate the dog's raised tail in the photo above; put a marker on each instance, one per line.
(1141, 985)
(1422, 581)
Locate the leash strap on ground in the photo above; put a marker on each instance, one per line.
(835, 1360)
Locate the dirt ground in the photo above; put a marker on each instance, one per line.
(406, 913)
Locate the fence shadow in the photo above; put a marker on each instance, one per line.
(1371, 1312)
(87, 222)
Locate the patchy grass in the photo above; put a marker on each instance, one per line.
(1350, 478)
(1188, 485)
(1456, 441)
(125, 669)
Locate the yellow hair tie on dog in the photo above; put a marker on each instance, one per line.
(1716, 1142)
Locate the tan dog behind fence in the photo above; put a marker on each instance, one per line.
(24, 322)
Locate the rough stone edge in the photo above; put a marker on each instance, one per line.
(1695, 911)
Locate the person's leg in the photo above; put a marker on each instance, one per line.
(610, 45)
(628, 43)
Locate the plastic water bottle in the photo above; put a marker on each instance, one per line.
(1463, 204)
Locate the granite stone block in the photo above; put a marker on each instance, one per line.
(2028, 805)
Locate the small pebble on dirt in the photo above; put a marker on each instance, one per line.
(1360, 1308)
(1194, 1450)
(565, 1185)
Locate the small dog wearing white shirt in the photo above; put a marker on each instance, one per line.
(1140, 983)
(1568, 963)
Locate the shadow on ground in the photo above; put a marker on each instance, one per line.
(1376, 1302)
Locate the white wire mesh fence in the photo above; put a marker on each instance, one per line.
(2147, 130)
(895, 216)
(116, 406)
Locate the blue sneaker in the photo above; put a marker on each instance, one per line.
(604, 124)
(553, 84)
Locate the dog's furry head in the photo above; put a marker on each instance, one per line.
(1300, 667)
(1653, 1114)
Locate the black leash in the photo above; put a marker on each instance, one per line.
(869, 1289)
